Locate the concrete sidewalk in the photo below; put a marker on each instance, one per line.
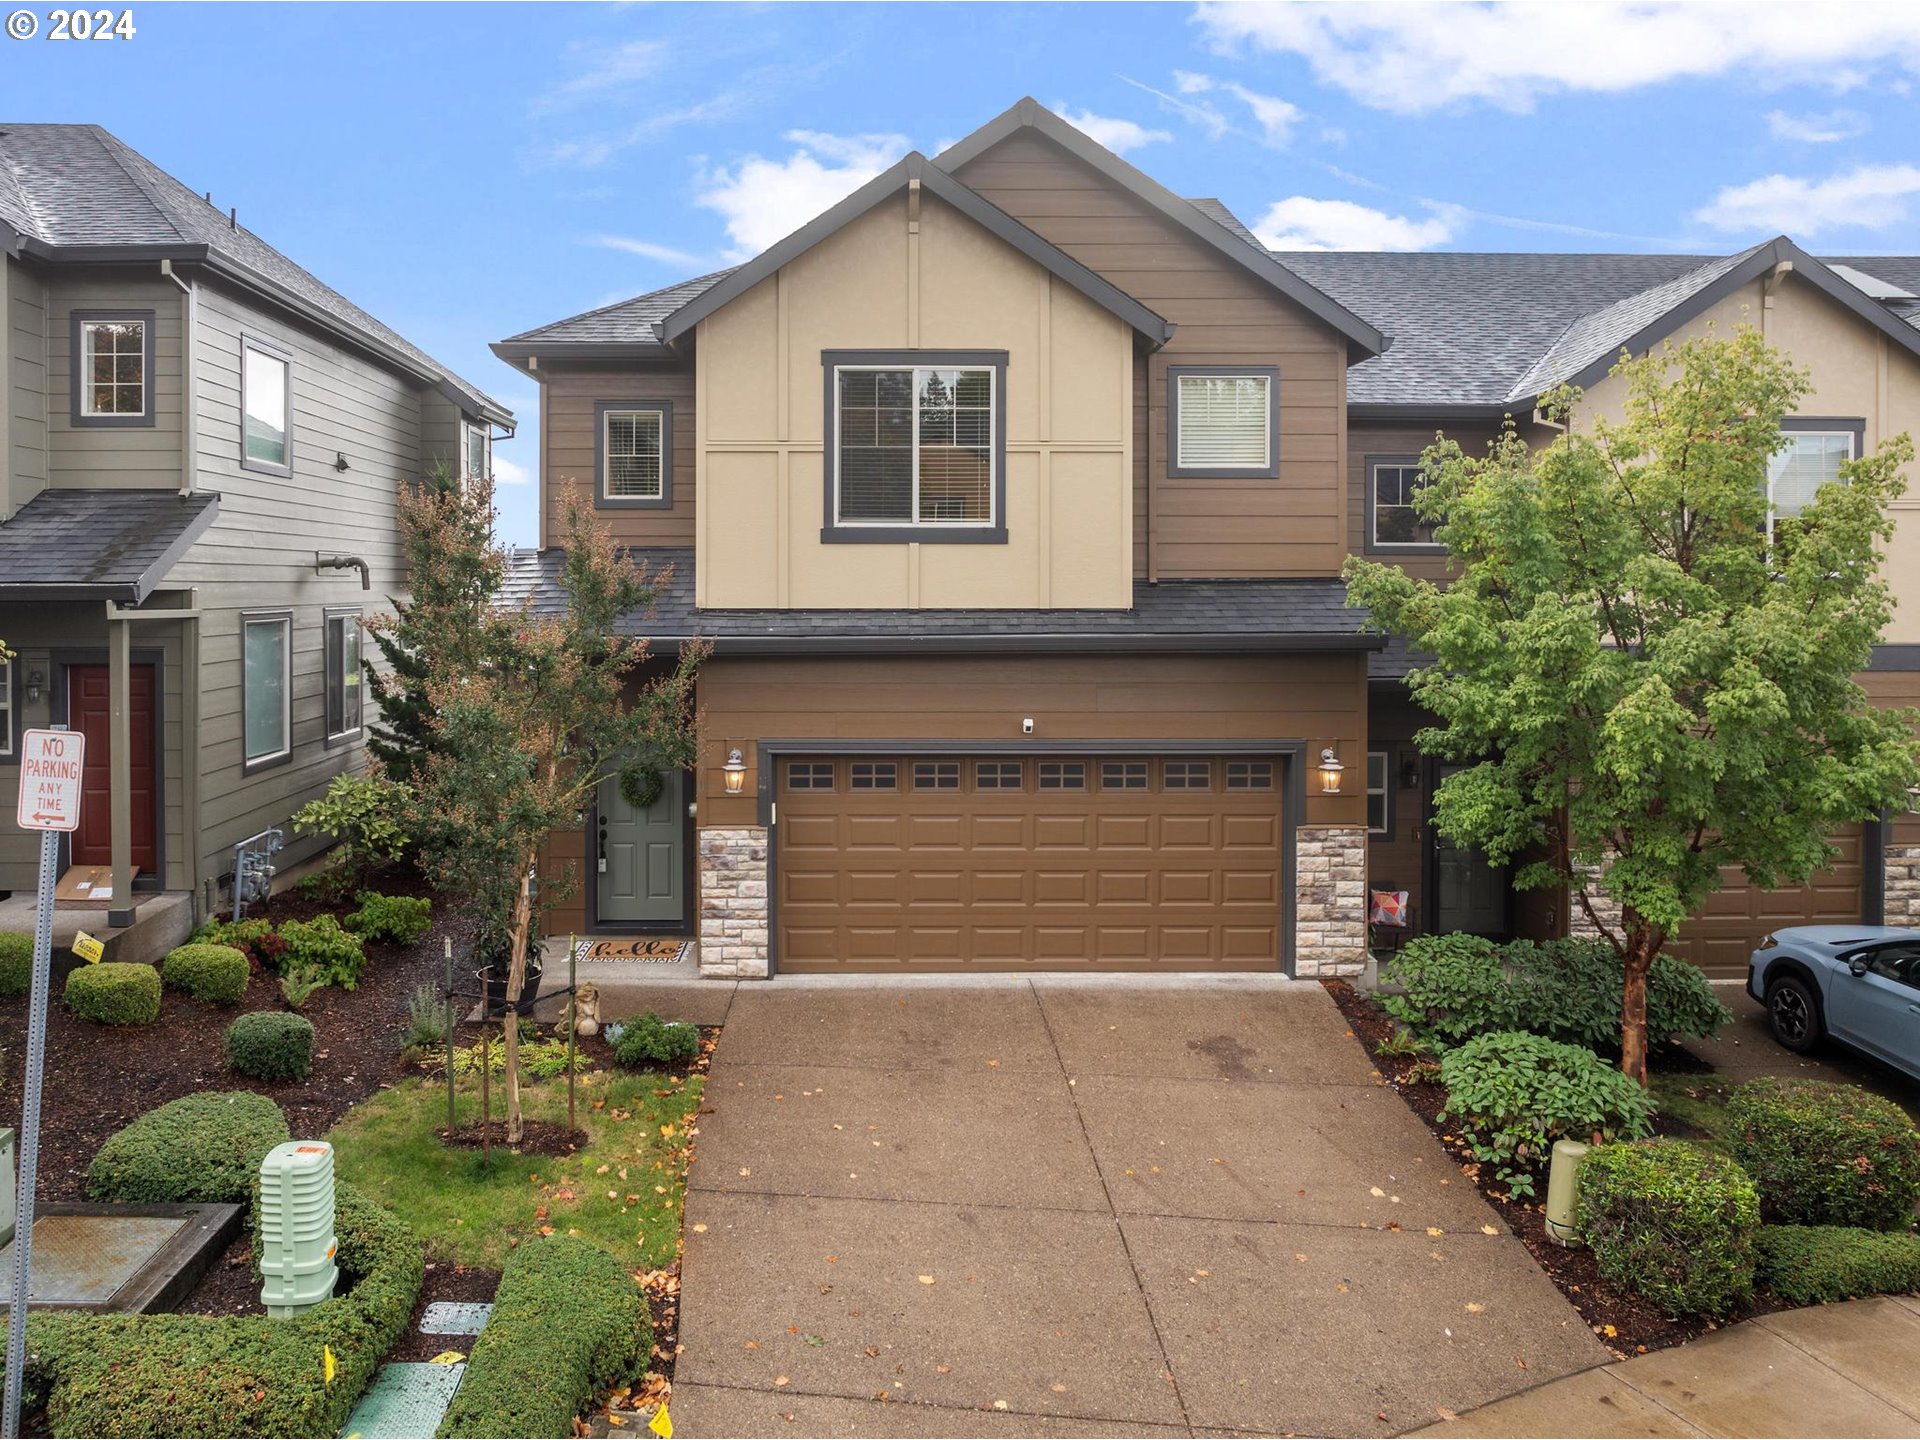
(1060, 1207)
(1851, 1369)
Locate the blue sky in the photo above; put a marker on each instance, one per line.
(466, 171)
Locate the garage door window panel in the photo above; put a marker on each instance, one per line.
(810, 775)
(873, 775)
(999, 775)
(1123, 775)
(1063, 775)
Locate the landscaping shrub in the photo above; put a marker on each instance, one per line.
(113, 993)
(297, 985)
(216, 974)
(270, 1045)
(321, 945)
(16, 963)
(254, 939)
(1826, 1154)
(539, 1059)
(568, 1322)
(194, 1375)
(1513, 1094)
(369, 818)
(1817, 1264)
(199, 1149)
(426, 1019)
(649, 1040)
(1673, 1222)
(1453, 987)
(402, 919)
(1572, 990)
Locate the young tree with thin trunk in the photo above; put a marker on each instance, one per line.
(1648, 674)
(527, 713)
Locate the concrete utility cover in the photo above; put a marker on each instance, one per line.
(454, 1317)
(87, 1259)
(404, 1400)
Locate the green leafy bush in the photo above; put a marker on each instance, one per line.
(568, 1322)
(199, 1149)
(270, 1045)
(321, 945)
(649, 1040)
(1673, 1222)
(1451, 987)
(254, 939)
(539, 1059)
(216, 974)
(370, 819)
(197, 1375)
(113, 993)
(1826, 1154)
(403, 919)
(298, 985)
(1513, 1094)
(1818, 1264)
(16, 963)
(426, 1019)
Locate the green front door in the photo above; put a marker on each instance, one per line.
(641, 856)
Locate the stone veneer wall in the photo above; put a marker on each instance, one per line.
(1903, 885)
(1330, 901)
(733, 903)
(1608, 908)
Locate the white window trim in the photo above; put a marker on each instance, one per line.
(1385, 792)
(485, 435)
(344, 618)
(992, 521)
(87, 330)
(271, 351)
(284, 620)
(1264, 463)
(607, 416)
(1372, 498)
(1851, 436)
(7, 716)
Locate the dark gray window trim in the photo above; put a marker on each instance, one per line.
(832, 532)
(75, 358)
(284, 355)
(332, 738)
(1386, 819)
(603, 501)
(284, 757)
(1269, 471)
(1387, 547)
(1854, 425)
(10, 719)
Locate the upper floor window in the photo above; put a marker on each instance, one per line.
(112, 371)
(478, 461)
(266, 407)
(266, 689)
(635, 455)
(1814, 452)
(343, 675)
(916, 446)
(1224, 421)
(1393, 484)
(6, 707)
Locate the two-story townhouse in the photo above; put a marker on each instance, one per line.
(203, 449)
(1013, 493)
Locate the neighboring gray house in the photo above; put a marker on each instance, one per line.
(203, 447)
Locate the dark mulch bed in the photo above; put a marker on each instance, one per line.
(1624, 1323)
(537, 1137)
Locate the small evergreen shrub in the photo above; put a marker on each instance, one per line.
(649, 1040)
(321, 945)
(402, 919)
(16, 963)
(426, 1019)
(370, 819)
(199, 1149)
(1826, 1154)
(1572, 990)
(1819, 1264)
(254, 939)
(113, 993)
(1513, 1094)
(1673, 1222)
(1452, 987)
(270, 1045)
(568, 1322)
(216, 974)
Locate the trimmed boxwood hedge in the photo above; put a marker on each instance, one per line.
(1824, 1154)
(1672, 1222)
(649, 1040)
(568, 1322)
(115, 993)
(1816, 1264)
(270, 1045)
(199, 1149)
(16, 963)
(216, 974)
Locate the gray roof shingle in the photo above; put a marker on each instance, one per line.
(98, 544)
(625, 322)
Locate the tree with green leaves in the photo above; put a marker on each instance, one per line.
(527, 713)
(1645, 677)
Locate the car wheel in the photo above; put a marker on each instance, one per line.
(1793, 1014)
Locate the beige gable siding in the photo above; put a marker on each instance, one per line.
(877, 284)
(134, 457)
(23, 386)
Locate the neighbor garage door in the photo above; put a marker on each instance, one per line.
(1722, 938)
(904, 862)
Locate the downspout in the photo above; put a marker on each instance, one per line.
(189, 390)
(190, 627)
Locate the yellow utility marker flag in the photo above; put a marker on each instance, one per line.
(447, 1357)
(327, 1364)
(662, 1423)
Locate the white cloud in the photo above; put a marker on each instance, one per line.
(1116, 134)
(1816, 129)
(1869, 197)
(763, 200)
(1303, 223)
(1275, 117)
(506, 472)
(625, 64)
(591, 151)
(1411, 57)
(645, 249)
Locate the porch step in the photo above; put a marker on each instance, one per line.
(160, 922)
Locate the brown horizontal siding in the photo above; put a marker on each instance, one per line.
(1897, 689)
(1397, 859)
(567, 437)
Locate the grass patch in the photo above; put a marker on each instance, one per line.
(622, 1190)
(1693, 1106)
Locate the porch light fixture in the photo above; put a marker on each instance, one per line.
(1330, 770)
(36, 681)
(736, 772)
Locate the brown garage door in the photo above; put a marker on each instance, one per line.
(901, 862)
(1723, 936)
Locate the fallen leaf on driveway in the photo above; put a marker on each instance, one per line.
(926, 1280)
(1444, 1413)
(1489, 1230)
(1377, 1192)
(1435, 1231)
(1058, 1389)
(781, 1380)
(943, 1369)
(745, 1171)
(1474, 1307)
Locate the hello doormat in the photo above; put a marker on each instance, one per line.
(651, 952)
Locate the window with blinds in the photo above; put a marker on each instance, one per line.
(1224, 422)
(914, 446)
(1810, 459)
(634, 467)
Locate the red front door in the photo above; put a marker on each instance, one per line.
(88, 712)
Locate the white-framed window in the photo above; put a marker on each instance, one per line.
(1812, 457)
(344, 679)
(635, 447)
(114, 354)
(1379, 798)
(916, 446)
(1223, 421)
(266, 407)
(1392, 522)
(266, 688)
(478, 459)
(6, 707)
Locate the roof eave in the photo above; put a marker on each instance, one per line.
(201, 522)
(1051, 644)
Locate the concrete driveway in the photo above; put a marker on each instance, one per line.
(1004, 1206)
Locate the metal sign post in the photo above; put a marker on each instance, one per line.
(51, 764)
